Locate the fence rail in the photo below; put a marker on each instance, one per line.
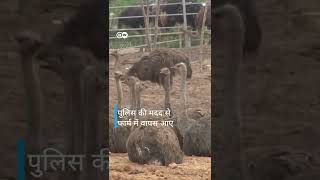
(176, 30)
(130, 17)
(168, 4)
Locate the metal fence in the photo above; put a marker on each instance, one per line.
(174, 31)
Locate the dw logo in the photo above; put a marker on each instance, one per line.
(123, 35)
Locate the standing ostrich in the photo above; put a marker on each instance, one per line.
(154, 145)
(148, 68)
(229, 33)
(196, 134)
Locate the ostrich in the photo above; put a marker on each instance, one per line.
(196, 134)
(229, 33)
(183, 122)
(94, 99)
(118, 136)
(29, 42)
(154, 145)
(148, 68)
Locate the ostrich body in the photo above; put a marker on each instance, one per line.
(196, 134)
(148, 68)
(157, 145)
(229, 33)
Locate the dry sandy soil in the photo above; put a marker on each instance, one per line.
(199, 99)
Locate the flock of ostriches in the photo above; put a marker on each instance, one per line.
(159, 145)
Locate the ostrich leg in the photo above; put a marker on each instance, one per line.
(229, 33)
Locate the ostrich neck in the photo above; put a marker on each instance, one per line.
(132, 96)
(119, 92)
(167, 92)
(233, 54)
(184, 92)
(138, 98)
(34, 100)
(73, 118)
(228, 151)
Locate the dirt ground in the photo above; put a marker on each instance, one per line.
(192, 168)
(199, 100)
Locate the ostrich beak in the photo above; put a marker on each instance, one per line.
(123, 78)
(173, 68)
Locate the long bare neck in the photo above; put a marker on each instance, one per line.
(233, 58)
(117, 61)
(183, 91)
(167, 104)
(119, 92)
(227, 122)
(133, 96)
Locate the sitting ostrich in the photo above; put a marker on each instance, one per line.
(196, 134)
(157, 145)
(183, 122)
(118, 136)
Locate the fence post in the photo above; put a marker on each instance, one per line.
(202, 34)
(180, 37)
(156, 24)
(146, 24)
(187, 42)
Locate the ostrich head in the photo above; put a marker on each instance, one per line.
(116, 63)
(164, 77)
(29, 42)
(132, 81)
(180, 68)
(118, 75)
(226, 18)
